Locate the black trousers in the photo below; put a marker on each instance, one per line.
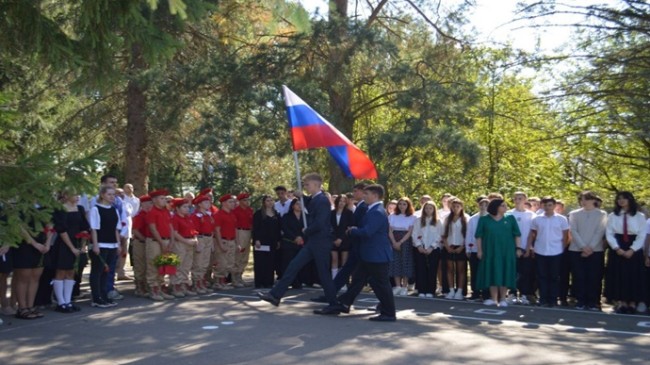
(548, 275)
(565, 276)
(526, 270)
(587, 277)
(99, 272)
(319, 252)
(473, 273)
(263, 267)
(344, 274)
(426, 271)
(376, 274)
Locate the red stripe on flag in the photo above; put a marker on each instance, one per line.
(314, 136)
(360, 165)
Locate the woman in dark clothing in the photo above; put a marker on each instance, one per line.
(292, 239)
(342, 218)
(266, 239)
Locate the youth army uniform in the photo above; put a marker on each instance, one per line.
(204, 224)
(183, 226)
(226, 231)
(138, 252)
(162, 220)
(243, 235)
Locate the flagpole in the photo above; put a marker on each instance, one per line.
(299, 180)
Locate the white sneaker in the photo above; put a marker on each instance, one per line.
(459, 295)
(511, 299)
(422, 295)
(451, 294)
(404, 292)
(397, 290)
(489, 302)
(503, 303)
(524, 301)
(429, 295)
(641, 307)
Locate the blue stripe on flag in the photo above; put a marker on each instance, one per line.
(302, 116)
(340, 155)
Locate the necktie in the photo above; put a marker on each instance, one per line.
(625, 237)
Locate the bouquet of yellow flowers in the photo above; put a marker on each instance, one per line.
(167, 263)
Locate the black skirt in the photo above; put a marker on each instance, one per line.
(625, 277)
(7, 262)
(27, 257)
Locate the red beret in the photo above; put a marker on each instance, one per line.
(226, 197)
(205, 191)
(145, 198)
(177, 202)
(158, 192)
(201, 198)
(243, 196)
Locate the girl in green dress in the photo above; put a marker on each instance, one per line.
(497, 238)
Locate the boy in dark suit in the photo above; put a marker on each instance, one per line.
(318, 236)
(375, 253)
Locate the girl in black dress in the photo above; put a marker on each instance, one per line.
(342, 218)
(69, 223)
(293, 240)
(28, 267)
(266, 238)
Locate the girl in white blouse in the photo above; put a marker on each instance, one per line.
(453, 238)
(400, 232)
(625, 233)
(427, 236)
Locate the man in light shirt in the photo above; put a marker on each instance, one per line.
(549, 234)
(525, 261)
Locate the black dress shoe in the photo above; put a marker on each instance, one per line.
(330, 310)
(383, 318)
(320, 299)
(267, 297)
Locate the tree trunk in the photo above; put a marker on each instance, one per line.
(136, 163)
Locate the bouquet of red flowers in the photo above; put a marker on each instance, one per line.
(167, 263)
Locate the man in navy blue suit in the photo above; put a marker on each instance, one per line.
(375, 253)
(318, 236)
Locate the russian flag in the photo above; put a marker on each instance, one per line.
(310, 130)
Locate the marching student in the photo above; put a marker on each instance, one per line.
(453, 239)
(244, 214)
(427, 233)
(626, 233)
(204, 224)
(159, 222)
(105, 225)
(140, 233)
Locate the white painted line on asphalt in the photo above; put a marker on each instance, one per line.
(644, 324)
(227, 323)
(492, 312)
(210, 327)
(519, 324)
(368, 300)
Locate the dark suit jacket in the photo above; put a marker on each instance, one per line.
(373, 235)
(319, 229)
(359, 212)
(291, 228)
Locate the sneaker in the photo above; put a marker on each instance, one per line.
(404, 291)
(641, 308)
(111, 303)
(115, 295)
(397, 290)
(503, 303)
(344, 288)
(489, 302)
(190, 292)
(166, 296)
(156, 296)
(580, 306)
(511, 299)
(451, 294)
(99, 304)
(429, 295)
(422, 295)
(523, 300)
(459, 295)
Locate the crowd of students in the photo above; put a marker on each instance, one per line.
(530, 254)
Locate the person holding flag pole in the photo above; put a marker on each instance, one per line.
(310, 130)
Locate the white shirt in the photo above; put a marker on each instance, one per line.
(400, 222)
(427, 236)
(281, 208)
(550, 234)
(95, 223)
(636, 224)
(524, 220)
(470, 240)
(455, 236)
(418, 213)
